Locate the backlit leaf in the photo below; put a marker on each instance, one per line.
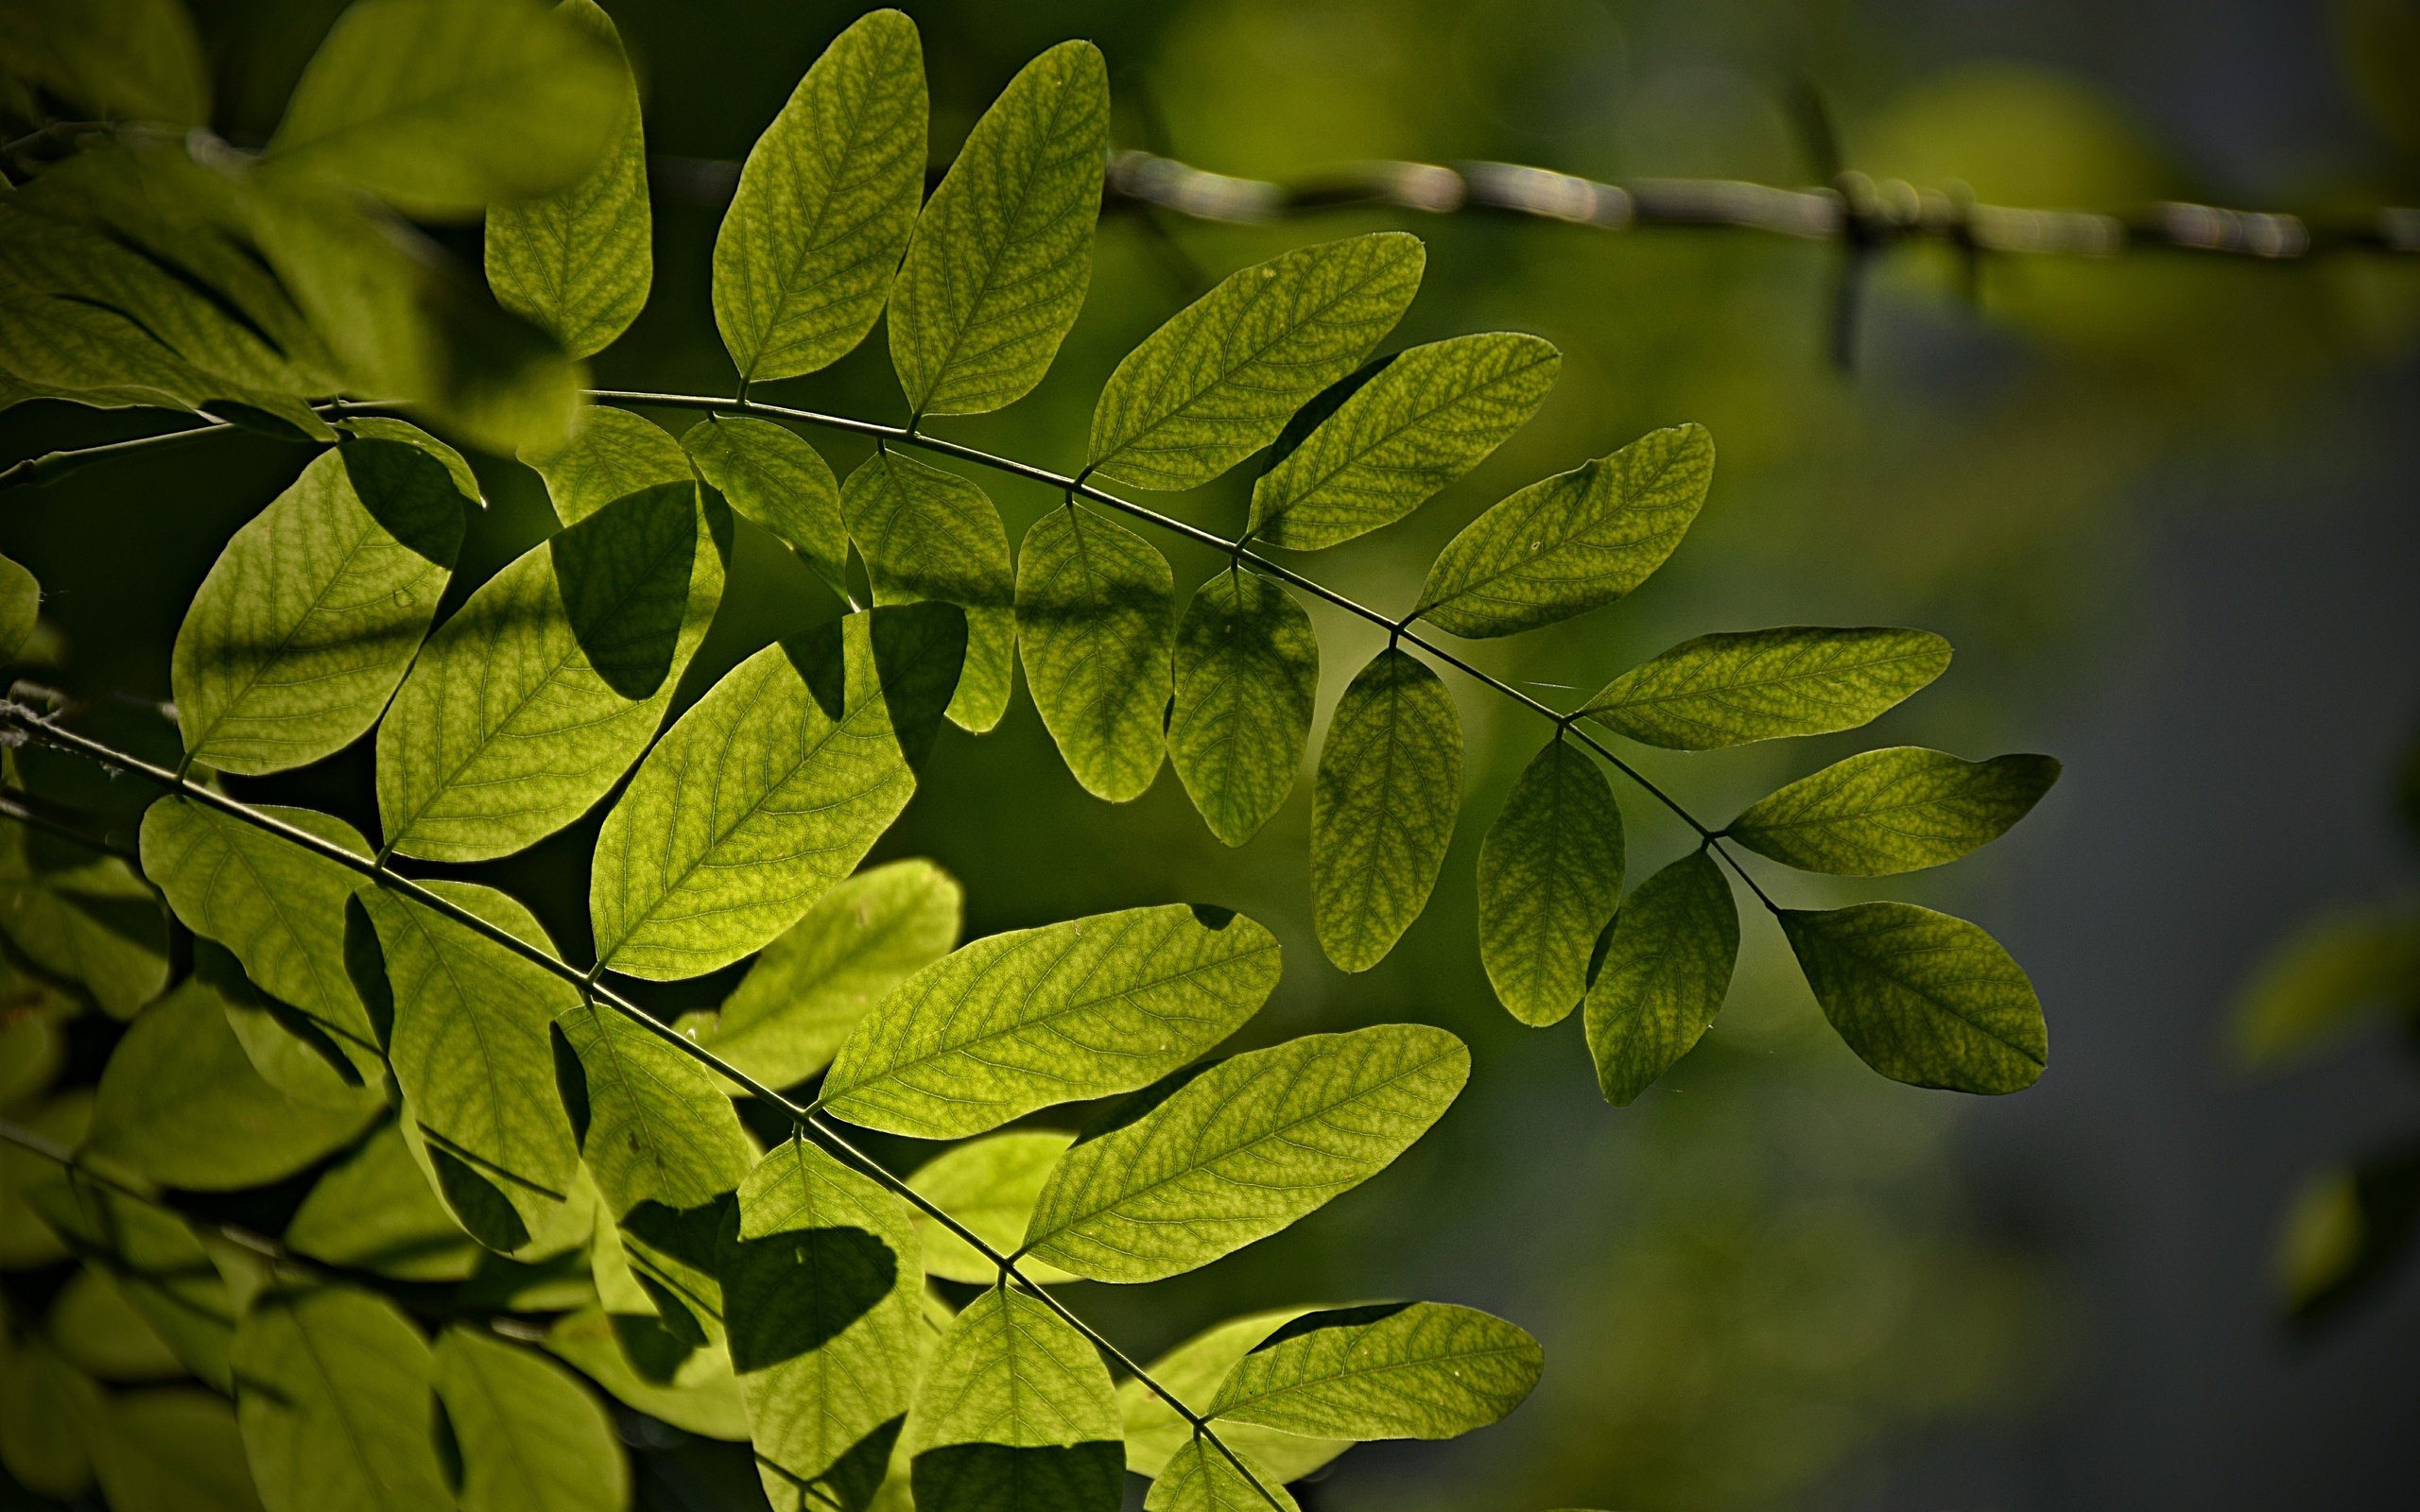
(1242, 1150)
(695, 1392)
(1247, 671)
(1550, 875)
(376, 1210)
(990, 1185)
(1154, 1433)
(334, 1394)
(1731, 688)
(997, 266)
(1093, 603)
(530, 702)
(1015, 1416)
(1428, 416)
(1218, 381)
(1394, 1370)
(658, 1129)
(532, 1440)
(1664, 975)
(1568, 543)
(1921, 997)
(1389, 787)
(777, 479)
(613, 455)
(927, 534)
(826, 203)
(1200, 1478)
(1020, 1020)
(577, 261)
(1901, 809)
(387, 429)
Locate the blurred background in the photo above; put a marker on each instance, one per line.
(2167, 507)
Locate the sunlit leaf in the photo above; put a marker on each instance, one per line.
(1200, 1478)
(695, 1390)
(83, 917)
(1242, 1149)
(531, 1437)
(334, 1394)
(1393, 1371)
(1568, 543)
(657, 1129)
(927, 534)
(291, 1053)
(1154, 1433)
(611, 455)
(442, 107)
(172, 1451)
(1015, 1416)
(1094, 604)
(1663, 976)
(826, 203)
(777, 479)
(769, 791)
(997, 266)
(308, 619)
(1550, 874)
(115, 60)
(530, 702)
(1389, 788)
(990, 1185)
(376, 1210)
(1247, 671)
(1217, 382)
(577, 261)
(1901, 809)
(1731, 688)
(1921, 997)
(1426, 417)
(1020, 1020)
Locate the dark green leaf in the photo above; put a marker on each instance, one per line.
(387, 428)
(96, 1330)
(376, 1210)
(1728, 690)
(48, 1409)
(20, 608)
(613, 455)
(531, 1438)
(1154, 1433)
(155, 1259)
(172, 1451)
(927, 534)
(1921, 997)
(83, 917)
(1550, 875)
(1247, 671)
(658, 1129)
(1389, 787)
(990, 1185)
(1902, 809)
(1664, 975)
(1396, 1370)
(114, 59)
(334, 1394)
(1093, 603)
(775, 479)
(2336, 970)
(1015, 1416)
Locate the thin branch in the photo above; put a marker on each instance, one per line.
(259, 1244)
(52, 466)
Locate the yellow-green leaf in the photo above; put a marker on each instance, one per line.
(1901, 809)
(1664, 977)
(1801, 680)
(1550, 875)
(1247, 672)
(1921, 997)
(927, 534)
(1093, 602)
(1389, 788)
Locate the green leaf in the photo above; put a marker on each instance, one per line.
(1389, 787)
(30, 1232)
(1015, 1416)
(334, 1394)
(826, 203)
(84, 918)
(172, 1451)
(180, 1104)
(698, 1395)
(1800, 680)
(1155, 1435)
(1024, 1020)
(1217, 382)
(1549, 876)
(2335, 969)
(532, 1440)
(927, 534)
(1242, 1150)
(473, 1054)
(444, 107)
(990, 1185)
(47, 1410)
(823, 1291)
(158, 1264)
(1247, 671)
(777, 479)
(1394, 1370)
(376, 1210)
(20, 608)
(1921, 997)
(577, 263)
(279, 908)
(1200, 1478)
(1571, 542)
(529, 704)
(1426, 415)
(96, 1330)
(997, 266)
(387, 429)
(1901, 809)
(770, 790)
(824, 973)
(657, 1129)
(308, 619)
(1093, 602)
(611, 455)
(115, 60)
(291, 1053)
(1664, 977)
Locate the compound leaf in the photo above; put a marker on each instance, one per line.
(1389, 786)
(1093, 603)
(990, 1185)
(1015, 1415)
(1394, 1370)
(529, 703)
(1901, 809)
(612, 455)
(1800, 680)
(1663, 976)
(1568, 543)
(1000, 258)
(1199, 1478)
(1247, 671)
(1549, 876)
(777, 479)
(532, 1440)
(770, 789)
(577, 263)
(1154, 1433)
(927, 534)
(335, 1392)
(1217, 382)
(305, 624)
(1921, 997)
(825, 202)
(1020, 1020)
(657, 1129)
(1242, 1150)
